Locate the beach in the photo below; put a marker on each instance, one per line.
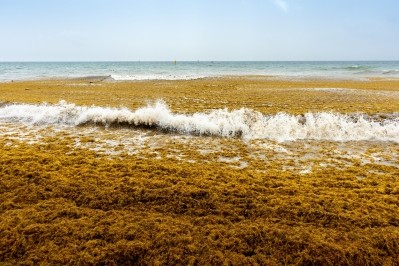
(218, 170)
(268, 95)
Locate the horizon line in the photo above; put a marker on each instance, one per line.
(164, 61)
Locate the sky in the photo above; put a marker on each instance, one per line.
(218, 30)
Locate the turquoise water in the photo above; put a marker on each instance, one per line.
(192, 70)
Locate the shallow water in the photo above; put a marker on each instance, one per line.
(244, 123)
(193, 70)
(299, 156)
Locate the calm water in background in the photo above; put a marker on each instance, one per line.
(192, 70)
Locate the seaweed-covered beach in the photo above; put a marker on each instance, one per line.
(233, 170)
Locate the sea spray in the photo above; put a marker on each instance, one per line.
(244, 122)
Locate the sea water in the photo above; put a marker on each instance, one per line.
(175, 70)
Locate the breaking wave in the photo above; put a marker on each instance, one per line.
(246, 123)
(357, 67)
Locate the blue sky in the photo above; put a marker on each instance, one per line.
(113, 30)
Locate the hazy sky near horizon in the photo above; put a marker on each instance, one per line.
(158, 30)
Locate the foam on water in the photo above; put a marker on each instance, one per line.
(246, 123)
(157, 77)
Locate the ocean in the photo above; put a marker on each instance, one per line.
(199, 69)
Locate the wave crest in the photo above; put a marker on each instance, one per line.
(247, 123)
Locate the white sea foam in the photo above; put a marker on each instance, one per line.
(246, 123)
(121, 77)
